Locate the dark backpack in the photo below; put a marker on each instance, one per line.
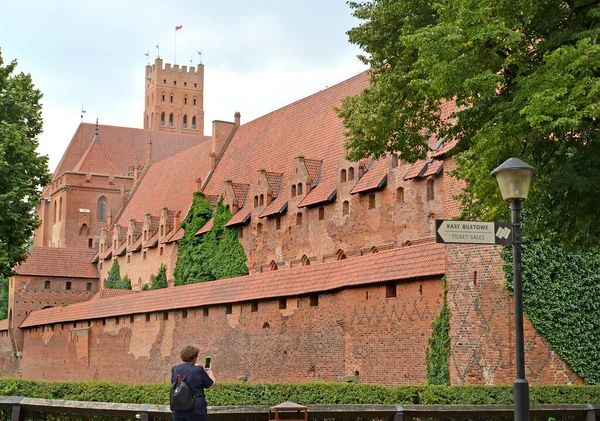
(181, 396)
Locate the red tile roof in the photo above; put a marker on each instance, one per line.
(275, 180)
(308, 127)
(416, 170)
(152, 242)
(320, 194)
(107, 253)
(241, 217)
(277, 206)
(433, 168)
(136, 246)
(124, 145)
(313, 166)
(121, 250)
(169, 183)
(444, 148)
(63, 262)
(240, 190)
(397, 264)
(206, 227)
(374, 178)
(4, 324)
(95, 160)
(109, 293)
(174, 235)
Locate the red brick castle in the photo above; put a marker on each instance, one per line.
(345, 277)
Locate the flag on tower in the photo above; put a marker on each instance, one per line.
(178, 27)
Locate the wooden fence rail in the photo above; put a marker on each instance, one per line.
(19, 406)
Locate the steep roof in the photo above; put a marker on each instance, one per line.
(398, 264)
(308, 127)
(96, 160)
(169, 183)
(63, 262)
(124, 145)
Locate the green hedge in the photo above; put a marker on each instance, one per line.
(306, 394)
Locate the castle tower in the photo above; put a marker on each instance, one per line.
(174, 98)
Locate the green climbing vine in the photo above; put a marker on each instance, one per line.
(561, 298)
(438, 348)
(214, 255)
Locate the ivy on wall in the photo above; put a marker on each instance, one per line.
(561, 298)
(214, 255)
(438, 349)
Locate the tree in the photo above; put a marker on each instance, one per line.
(114, 276)
(3, 298)
(124, 283)
(160, 280)
(525, 78)
(23, 172)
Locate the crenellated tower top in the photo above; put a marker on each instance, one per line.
(174, 98)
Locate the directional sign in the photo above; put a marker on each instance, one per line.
(473, 232)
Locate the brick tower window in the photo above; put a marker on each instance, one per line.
(171, 99)
(163, 98)
(261, 199)
(430, 191)
(60, 206)
(294, 190)
(162, 118)
(399, 195)
(88, 286)
(351, 173)
(299, 189)
(372, 201)
(278, 222)
(299, 219)
(345, 208)
(68, 286)
(47, 285)
(194, 101)
(102, 209)
(321, 213)
(343, 176)
(171, 120)
(255, 201)
(194, 119)
(185, 121)
(185, 99)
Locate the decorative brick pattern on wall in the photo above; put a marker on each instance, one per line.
(482, 325)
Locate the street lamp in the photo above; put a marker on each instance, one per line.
(514, 178)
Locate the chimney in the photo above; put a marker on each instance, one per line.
(220, 132)
(177, 221)
(199, 184)
(236, 118)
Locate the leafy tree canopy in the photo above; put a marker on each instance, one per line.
(23, 172)
(525, 76)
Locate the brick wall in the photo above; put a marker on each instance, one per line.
(353, 330)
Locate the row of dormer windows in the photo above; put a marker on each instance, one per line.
(372, 204)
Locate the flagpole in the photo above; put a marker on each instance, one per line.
(175, 49)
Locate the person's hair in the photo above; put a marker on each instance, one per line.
(189, 353)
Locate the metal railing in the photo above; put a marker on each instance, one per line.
(19, 407)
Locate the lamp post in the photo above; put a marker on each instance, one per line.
(514, 178)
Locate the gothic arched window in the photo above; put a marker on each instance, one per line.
(194, 121)
(162, 118)
(185, 121)
(102, 209)
(171, 120)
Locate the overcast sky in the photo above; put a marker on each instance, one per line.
(258, 55)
